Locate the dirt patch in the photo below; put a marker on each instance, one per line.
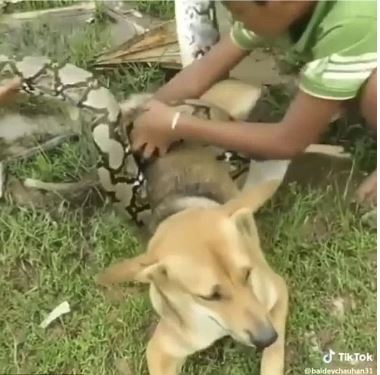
(291, 354)
(340, 306)
(148, 328)
(118, 294)
(321, 171)
(123, 367)
(316, 229)
(326, 338)
(359, 367)
(22, 276)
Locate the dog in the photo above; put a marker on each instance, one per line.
(207, 275)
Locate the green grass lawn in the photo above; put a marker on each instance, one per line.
(326, 256)
(318, 244)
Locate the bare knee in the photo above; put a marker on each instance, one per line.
(368, 101)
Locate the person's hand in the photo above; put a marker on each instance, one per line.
(9, 90)
(152, 129)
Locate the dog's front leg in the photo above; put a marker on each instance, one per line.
(160, 356)
(273, 358)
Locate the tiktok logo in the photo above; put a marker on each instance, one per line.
(327, 358)
(347, 357)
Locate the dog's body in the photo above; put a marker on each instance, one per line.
(208, 276)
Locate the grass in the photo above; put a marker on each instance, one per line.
(319, 245)
(46, 260)
(34, 5)
(163, 9)
(67, 162)
(78, 48)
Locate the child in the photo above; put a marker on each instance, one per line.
(337, 41)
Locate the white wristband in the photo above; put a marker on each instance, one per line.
(175, 120)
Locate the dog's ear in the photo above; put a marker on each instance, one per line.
(245, 224)
(240, 210)
(142, 268)
(237, 98)
(252, 198)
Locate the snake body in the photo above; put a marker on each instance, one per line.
(120, 173)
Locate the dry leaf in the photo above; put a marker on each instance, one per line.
(338, 308)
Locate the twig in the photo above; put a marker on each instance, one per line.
(48, 145)
(349, 178)
(78, 8)
(15, 345)
(2, 179)
(120, 17)
(61, 187)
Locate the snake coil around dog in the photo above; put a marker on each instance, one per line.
(120, 174)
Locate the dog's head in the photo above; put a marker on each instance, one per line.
(207, 264)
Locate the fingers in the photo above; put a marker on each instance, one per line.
(148, 151)
(137, 142)
(141, 145)
(162, 150)
(150, 104)
(10, 86)
(9, 89)
(146, 148)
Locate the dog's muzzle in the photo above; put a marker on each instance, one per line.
(264, 338)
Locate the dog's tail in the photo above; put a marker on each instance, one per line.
(235, 97)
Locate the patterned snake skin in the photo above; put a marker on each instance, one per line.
(119, 171)
(197, 28)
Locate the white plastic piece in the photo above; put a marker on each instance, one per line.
(63, 308)
(330, 150)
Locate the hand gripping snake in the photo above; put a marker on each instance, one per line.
(119, 171)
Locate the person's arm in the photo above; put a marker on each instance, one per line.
(198, 77)
(306, 119)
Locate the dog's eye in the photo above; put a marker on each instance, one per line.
(215, 296)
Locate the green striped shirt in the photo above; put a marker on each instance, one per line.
(339, 44)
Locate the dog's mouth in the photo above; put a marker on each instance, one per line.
(217, 322)
(235, 337)
(231, 333)
(243, 341)
(228, 332)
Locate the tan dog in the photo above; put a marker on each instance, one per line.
(208, 276)
(208, 279)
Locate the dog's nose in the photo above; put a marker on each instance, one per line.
(263, 338)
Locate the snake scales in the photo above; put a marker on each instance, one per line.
(120, 173)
